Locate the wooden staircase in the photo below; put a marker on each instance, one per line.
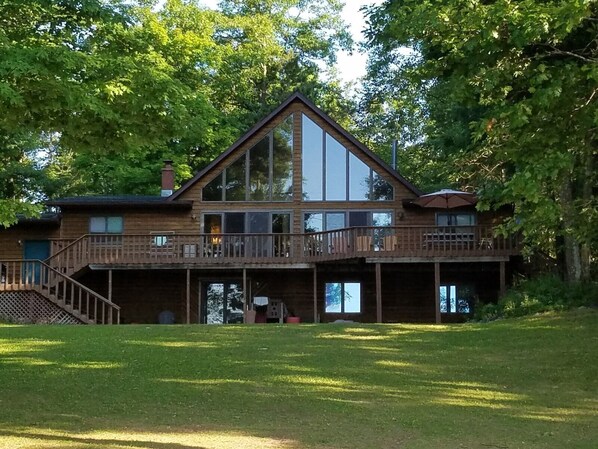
(58, 288)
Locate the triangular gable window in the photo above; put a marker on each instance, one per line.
(332, 173)
(263, 173)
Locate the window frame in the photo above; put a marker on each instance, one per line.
(343, 298)
(106, 218)
(457, 287)
(246, 157)
(325, 137)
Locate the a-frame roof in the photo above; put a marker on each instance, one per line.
(301, 98)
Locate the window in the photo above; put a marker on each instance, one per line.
(456, 299)
(343, 297)
(318, 221)
(455, 219)
(161, 238)
(332, 173)
(106, 225)
(263, 173)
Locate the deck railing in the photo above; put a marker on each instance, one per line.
(67, 293)
(208, 249)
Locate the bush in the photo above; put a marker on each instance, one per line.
(542, 294)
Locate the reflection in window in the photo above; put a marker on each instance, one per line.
(455, 299)
(455, 219)
(213, 190)
(335, 220)
(259, 171)
(282, 161)
(313, 222)
(381, 189)
(312, 159)
(235, 181)
(264, 173)
(343, 297)
(106, 225)
(336, 172)
(341, 175)
(359, 179)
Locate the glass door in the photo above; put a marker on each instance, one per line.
(223, 303)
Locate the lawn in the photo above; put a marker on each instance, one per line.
(521, 383)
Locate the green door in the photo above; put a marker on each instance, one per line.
(34, 249)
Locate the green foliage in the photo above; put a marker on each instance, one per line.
(108, 89)
(505, 96)
(542, 294)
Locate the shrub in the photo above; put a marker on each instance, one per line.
(542, 294)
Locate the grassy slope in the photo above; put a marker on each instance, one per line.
(526, 383)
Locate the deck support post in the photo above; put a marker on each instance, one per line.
(315, 295)
(378, 293)
(188, 296)
(245, 301)
(199, 291)
(437, 291)
(503, 283)
(109, 296)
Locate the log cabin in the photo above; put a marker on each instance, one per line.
(296, 221)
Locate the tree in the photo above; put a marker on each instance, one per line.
(515, 84)
(93, 77)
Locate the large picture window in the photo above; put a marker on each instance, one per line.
(332, 173)
(263, 173)
(343, 297)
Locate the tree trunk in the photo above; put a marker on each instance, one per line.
(586, 195)
(571, 245)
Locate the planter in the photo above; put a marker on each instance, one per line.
(293, 320)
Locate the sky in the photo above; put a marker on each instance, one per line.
(350, 66)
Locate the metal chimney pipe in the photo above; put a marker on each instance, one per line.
(395, 143)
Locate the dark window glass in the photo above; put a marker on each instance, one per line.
(259, 222)
(336, 170)
(381, 190)
(359, 179)
(358, 218)
(259, 171)
(213, 190)
(453, 219)
(282, 168)
(235, 181)
(234, 222)
(312, 139)
(281, 223)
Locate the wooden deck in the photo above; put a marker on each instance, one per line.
(379, 244)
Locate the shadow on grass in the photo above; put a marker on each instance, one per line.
(107, 443)
(309, 386)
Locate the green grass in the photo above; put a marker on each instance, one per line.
(522, 383)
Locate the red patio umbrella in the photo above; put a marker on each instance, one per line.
(446, 199)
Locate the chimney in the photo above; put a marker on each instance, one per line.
(167, 179)
(394, 154)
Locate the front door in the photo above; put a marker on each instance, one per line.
(34, 250)
(223, 303)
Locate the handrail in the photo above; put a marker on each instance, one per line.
(66, 248)
(71, 295)
(401, 241)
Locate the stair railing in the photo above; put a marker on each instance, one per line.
(67, 293)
